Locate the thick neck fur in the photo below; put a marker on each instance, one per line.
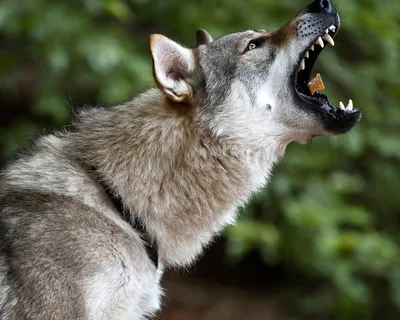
(183, 182)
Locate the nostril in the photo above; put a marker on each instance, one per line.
(321, 6)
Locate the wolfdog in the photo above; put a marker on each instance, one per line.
(91, 216)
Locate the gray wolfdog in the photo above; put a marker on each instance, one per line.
(91, 216)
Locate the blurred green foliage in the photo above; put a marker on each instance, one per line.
(332, 209)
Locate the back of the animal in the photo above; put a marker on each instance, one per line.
(34, 240)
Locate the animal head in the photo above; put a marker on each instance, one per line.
(252, 86)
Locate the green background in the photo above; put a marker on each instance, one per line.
(332, 209)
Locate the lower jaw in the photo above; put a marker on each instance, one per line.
(333, 120)
(316, 101)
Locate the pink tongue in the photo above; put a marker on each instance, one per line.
(316, 84)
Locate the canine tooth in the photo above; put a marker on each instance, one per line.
(312, 48)
(350, 105)
(327, 30)
(307, 55)
(341, 106)
(333, 28)
(302, 65)
(320, 42)
(329, 39)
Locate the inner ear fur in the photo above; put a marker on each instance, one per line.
(173, 67)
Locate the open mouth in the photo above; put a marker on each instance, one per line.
(307, 91)
(303, 84)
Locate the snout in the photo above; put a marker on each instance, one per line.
(316, 27)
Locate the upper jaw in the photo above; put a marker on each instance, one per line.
(334, 120)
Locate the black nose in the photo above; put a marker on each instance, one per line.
(321, 6)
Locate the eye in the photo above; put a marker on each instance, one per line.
(254, 44)
(251, 46)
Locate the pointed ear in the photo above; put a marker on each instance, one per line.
(203, 37)
(172, 67)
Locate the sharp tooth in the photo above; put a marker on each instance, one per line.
(329, 39)
(307, 55)
(350, 105)
(320, 42)
(341, 105)
(333, 28)
(327, 31)
(302, 65)
(312, 48)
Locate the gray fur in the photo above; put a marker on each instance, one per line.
(182, 158)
